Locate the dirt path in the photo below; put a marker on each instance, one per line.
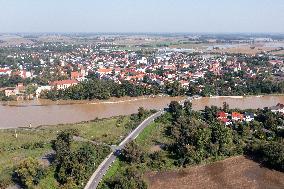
(237, 172)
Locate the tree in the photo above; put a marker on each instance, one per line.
(269, 153)
(83, 163)
(175, 109)
(31, 89)
(75, 165)
(188, 107)
(130, 179)
(132, 153)
(29, 172)
(273, 155)
(222, 137)
(174, 89)
(226, 107)
(210, 113)
(141, 112)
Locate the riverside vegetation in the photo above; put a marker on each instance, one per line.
(62, 156)
(183, 137)
(226, 85)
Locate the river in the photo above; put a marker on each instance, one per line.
(39, 112)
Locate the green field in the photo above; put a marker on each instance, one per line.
(36, 142)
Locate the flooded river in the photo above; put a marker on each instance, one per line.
(50, 113)
(251, 102)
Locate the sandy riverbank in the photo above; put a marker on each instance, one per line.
(47, 102)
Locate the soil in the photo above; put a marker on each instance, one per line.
(236, 172)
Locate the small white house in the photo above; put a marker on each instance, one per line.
(42, 88)
(248, 117)
(278, 108)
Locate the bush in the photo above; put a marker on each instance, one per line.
(5, 178)
(270, 154)
(28, 173)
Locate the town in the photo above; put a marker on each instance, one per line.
(142, 94)
(28, 71)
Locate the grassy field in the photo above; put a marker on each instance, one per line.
(152, 136)
(36, 142)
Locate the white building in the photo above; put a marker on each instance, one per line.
(42, 88)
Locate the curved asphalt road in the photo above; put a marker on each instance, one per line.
(103, 167)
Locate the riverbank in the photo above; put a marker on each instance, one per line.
(236, 172)
(47, 102)
(52, 113)
(246, 96)
(112, 100)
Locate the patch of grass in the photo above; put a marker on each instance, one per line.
(49, 182)
(151, 136)
(36, 142)
(116, 166)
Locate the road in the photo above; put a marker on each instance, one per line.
(103, 167)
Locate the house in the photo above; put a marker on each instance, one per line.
(278, 108)
(237, 116)
(169, 67)
(197, 75)
(274, 62)
(15, 91)
(25, 74)
(104, 71)
(249, 116)
(4, 71)
(64, 84)
(226, 121)
(142, 61)
(184, 83)
(42, 88)
(12, 91)
(20, 86)
(75, 75)
(222, 115)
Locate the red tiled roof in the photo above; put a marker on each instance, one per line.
(222, 115)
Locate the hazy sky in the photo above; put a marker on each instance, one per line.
(142, 16)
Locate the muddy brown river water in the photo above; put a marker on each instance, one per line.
(39, 112)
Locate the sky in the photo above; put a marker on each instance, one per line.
(209, 16)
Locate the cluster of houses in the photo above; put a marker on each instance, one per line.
(15, 91)
(165, 66)
(228, 119)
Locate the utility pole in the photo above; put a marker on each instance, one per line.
(16, 135)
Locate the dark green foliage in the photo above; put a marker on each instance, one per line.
(141, 112)
(188, 107)
(210, 113)
(175, 109)
(132, 153)
(29, 173)
(98, 89)
(75, 166)
(269, 119)
(269, 153)
(130, 179)
(174, 89)
(221, 138)
(158, 160)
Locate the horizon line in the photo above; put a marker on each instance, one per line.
(87, 32)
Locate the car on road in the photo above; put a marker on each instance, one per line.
(117, 152)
